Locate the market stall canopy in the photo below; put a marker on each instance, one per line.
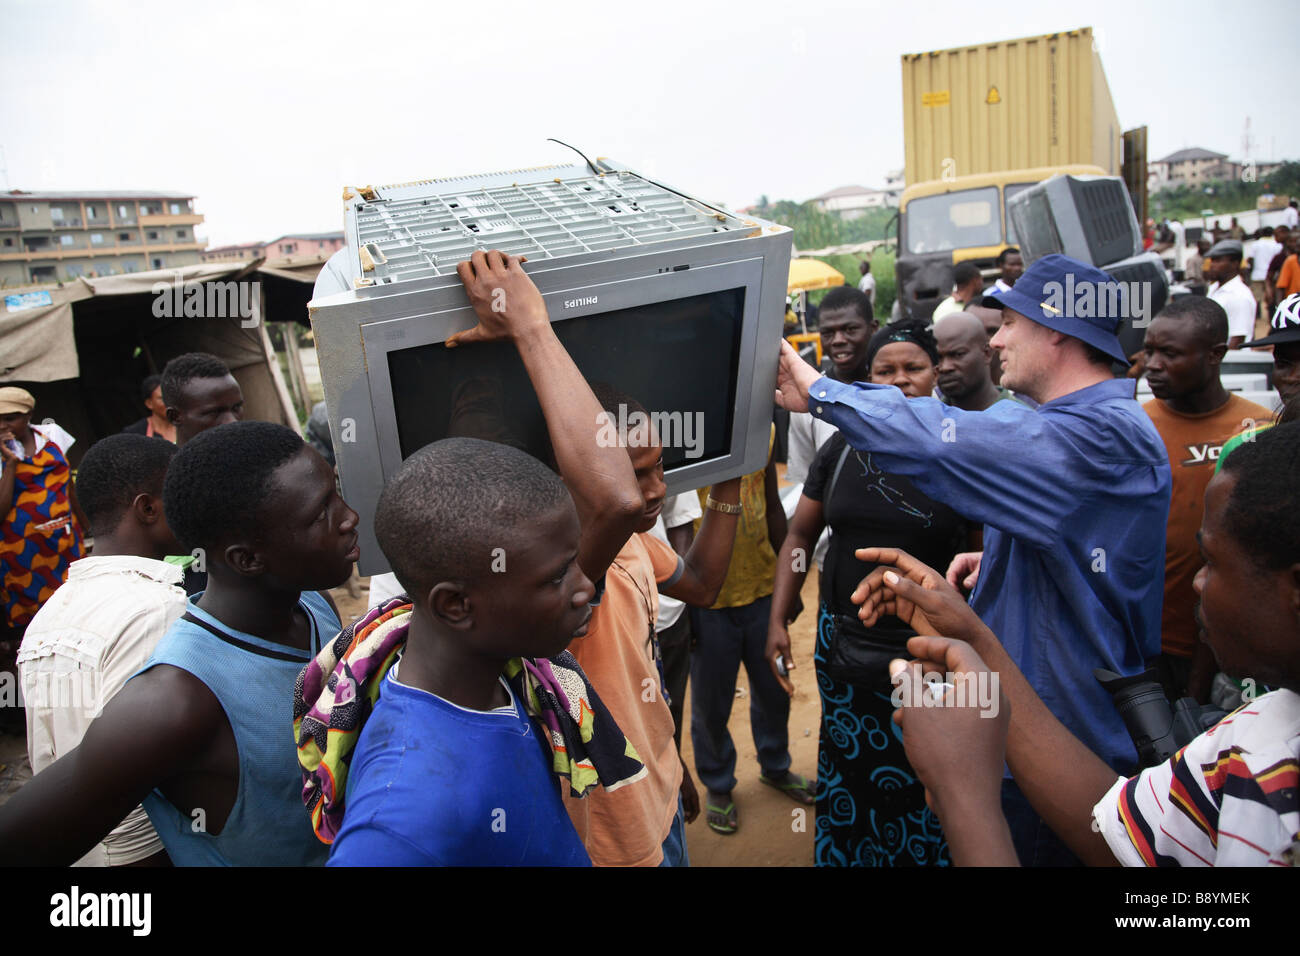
(82, 347)
(809, 274)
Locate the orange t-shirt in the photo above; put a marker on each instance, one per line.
(1288, 280)
(628, 826)
(1193, 443)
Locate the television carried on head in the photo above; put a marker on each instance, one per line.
(1088, 218)
(675, 302)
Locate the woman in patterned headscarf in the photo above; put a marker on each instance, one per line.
(40, 534)
(870, 807)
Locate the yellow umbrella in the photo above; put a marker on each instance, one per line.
(809, 274)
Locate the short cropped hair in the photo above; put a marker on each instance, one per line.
(218, 482)
(843, 296)
(452, 502)
(114, 471)
(965, 273)
(148, 385)
(1208, 316)
(1001, 260)
(1261, 512)
(181, 370)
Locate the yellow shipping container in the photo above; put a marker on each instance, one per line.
(1015, 104)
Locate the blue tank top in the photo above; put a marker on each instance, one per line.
(253, 679)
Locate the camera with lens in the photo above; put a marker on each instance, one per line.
(1159, 729)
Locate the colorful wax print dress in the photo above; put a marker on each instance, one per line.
(39, 538)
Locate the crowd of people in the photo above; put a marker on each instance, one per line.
(982, 496)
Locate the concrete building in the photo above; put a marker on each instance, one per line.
(850, 202)
(56, 236)
(293, 244)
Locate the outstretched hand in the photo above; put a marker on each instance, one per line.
(506, 301)
(794, 377)
(916, 594)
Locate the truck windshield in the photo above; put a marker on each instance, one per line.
(957, 220)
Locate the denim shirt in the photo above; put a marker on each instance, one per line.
(1074, 497)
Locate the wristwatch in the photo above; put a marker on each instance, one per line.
(715, 505)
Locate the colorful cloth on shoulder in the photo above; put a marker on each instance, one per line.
(38, 537)
(337, 691)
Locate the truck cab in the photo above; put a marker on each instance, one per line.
(946, 221)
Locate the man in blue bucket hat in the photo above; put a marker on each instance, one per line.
(1074, 497)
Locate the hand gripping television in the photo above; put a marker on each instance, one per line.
(676, 302)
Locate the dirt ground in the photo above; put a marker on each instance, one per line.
(773, 831)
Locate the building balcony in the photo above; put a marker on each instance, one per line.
(167, 219)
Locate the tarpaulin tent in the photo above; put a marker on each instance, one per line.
(83, 347)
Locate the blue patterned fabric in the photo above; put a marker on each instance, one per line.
(870, 807)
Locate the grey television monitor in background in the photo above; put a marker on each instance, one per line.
(1089, 218)
(676, 302)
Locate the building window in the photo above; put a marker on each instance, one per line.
(90, 213)
(288, 248)
(121, 212)
(56, 214)
(153, 235)
(96, 238)
(180, 233)
(8, 241)
(65, 240)
(157, 263)
(75, 270)
(176, 209)
(124, 237)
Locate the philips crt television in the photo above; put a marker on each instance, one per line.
(676, 302)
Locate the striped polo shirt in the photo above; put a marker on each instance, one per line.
(1229, 798)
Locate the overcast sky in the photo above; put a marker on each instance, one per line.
(264, 110)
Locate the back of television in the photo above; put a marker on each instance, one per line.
(423, 229)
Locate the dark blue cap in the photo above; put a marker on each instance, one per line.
(1073, 298)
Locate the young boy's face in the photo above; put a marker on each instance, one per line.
(648, 463)
(536, 599)
(309, 541)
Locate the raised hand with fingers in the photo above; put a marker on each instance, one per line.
(916, 594)
(506, 301)
(794, 377)
(964, 570)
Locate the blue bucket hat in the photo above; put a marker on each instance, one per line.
(1073, 298)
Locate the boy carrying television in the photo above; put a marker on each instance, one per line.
(449, 770)
(618, 488)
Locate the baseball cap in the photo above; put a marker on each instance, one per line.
(1286, 322)
(1065, 295)
(1225, 247)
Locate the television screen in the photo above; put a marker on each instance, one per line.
(673, 357)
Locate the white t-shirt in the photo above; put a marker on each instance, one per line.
(868, 285)
(805, 437)
(1229, 798)
(1261, 254)
(1240, 305)
(91, 636)
(678, 510)
(1291, 217)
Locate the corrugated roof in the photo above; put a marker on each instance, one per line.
(847, 191)
(20, 195)
(308, 235)
(1194, 152)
